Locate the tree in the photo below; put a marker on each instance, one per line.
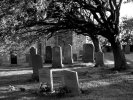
(87, 17)
(94, 17)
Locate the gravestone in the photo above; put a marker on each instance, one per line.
(127, 49)
(75, 57)
(48, 58)
(68, 54)
(71, 82)
(99, 58)
(46, 77)
(57, 57)
(13, 59)
(32, 53)
(37, 64)
(88, 53)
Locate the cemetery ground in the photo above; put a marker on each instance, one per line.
(96, 83)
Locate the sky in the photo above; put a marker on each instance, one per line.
(126, 10)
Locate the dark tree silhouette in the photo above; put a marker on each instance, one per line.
(88, 17)
(92, 17)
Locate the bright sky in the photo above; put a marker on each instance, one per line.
(126, 10)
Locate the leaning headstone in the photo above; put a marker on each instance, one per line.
(13, 59)
(48, 58)
(99, 58)
(127, 49)
(88, 53)
(57, 57)
(45, 76)
(68, 59)
(71, 82)
(75, 57)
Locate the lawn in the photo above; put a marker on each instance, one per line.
(96, 83)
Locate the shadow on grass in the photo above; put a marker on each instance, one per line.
(15, 79)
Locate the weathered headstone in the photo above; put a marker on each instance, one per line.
(127, 49)
(57, 57)
(68, 59)
(45, 76)
(88, 53)
(71, 82)
(48, 58)
(99, 58)
(13, 59)
(75, 57)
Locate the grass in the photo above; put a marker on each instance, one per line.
(96, 84)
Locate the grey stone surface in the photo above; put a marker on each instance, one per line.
(99, 58)
(57, 57)
(36, 65)
(45, 76)
(127, 49)
(71, 82)
(88, 53)
(48, 58)
(68, 59)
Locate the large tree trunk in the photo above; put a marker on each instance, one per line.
(119, 57)
(96, 43)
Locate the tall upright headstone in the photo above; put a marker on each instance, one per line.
(68, 59)
(48, 58)
(57, 57)
(99, 58)
(33, 62)
(32, 53)
(37, 64)
(88, 53)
